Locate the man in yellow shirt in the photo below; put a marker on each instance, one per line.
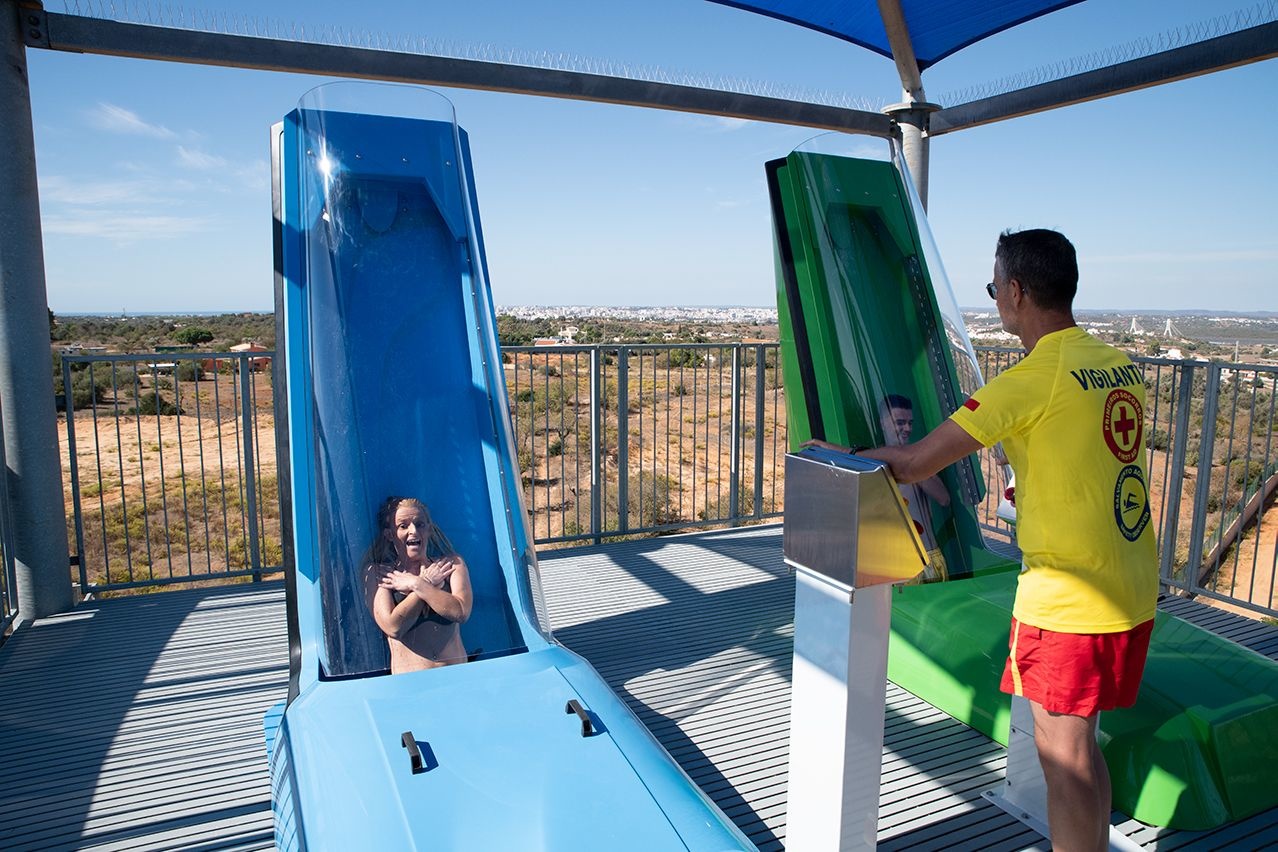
(1070, 417)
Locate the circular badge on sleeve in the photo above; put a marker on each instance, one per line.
(1131, 502)
(1123, 425)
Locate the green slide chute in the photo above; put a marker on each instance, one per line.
(869, 325)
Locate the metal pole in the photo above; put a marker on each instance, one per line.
(247, 404)
(623, 439)
(912, 115)
(34, 469)
(1171, 514)
(596, 443)
(759, 390)
(734, 454)
(912, 119)
(1206, 447)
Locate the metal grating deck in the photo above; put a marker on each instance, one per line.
(136, 723)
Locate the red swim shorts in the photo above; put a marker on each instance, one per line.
(1078, 674)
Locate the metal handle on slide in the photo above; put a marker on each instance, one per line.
(574, 706)
(408, 741)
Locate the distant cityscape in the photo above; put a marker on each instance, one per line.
(707, 314)
(1252, 330)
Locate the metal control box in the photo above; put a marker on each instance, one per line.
(846, 520)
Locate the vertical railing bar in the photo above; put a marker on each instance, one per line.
(661, 513)
(249, 487)
(679, 493)
(1246, 481)
(204, 484)
(562, 404)
(1206, 442)
(137, 422)
(759, 391)
(159, 440)
(703, 462)
(221, 466)
(778, 440)
(78, 510)
(1152, 421)
(237, 406)
(647, 499)
(718, 430)
(596, 443)
(1171, 484)
(639, 445)
(576, 439)
(1269, 445)
(1264, 476)
(1150, 415)
(734, 448)
(532, 436)
(1260, 487)
(1182, 402)
(1224, 491)
(545, 433)
(119, 458)
(515, 427)
(623, 438)
(97, 451)
(186, 506)
(258, 455)
(603, 437)
(683, 360)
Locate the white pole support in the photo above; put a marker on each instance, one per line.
(839, 690)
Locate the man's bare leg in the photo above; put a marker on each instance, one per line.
(1078, 789)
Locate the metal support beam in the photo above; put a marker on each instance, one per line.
(1216, 54)
(912, 119)
(898, 33)
(34, 470)
(112, 38)
(912, 115)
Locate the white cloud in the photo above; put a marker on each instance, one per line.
(57, 189)
(117, 119)
(122, 227)
(201, 160)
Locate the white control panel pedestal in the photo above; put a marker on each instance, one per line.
(836, 715)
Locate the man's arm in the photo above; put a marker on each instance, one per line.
(943, 446)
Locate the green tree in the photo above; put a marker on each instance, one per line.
(193, 335)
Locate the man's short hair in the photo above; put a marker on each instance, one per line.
(895, 400)
(1045, 264)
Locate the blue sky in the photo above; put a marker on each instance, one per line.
(155, 181)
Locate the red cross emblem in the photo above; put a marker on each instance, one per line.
(1123, 425)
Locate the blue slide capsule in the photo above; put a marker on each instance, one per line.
(389, 384)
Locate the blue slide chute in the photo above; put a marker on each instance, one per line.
(390, 382)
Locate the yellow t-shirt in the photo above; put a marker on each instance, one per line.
(1071, 419)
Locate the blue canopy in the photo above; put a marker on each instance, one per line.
(937, 27)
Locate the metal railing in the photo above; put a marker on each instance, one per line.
(171, 458)
(8, 579)
(643, 438)
(171, 465)
(1213, 467)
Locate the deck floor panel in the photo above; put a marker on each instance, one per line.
(136, 723)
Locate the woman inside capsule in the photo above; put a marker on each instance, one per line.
(417, 587)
